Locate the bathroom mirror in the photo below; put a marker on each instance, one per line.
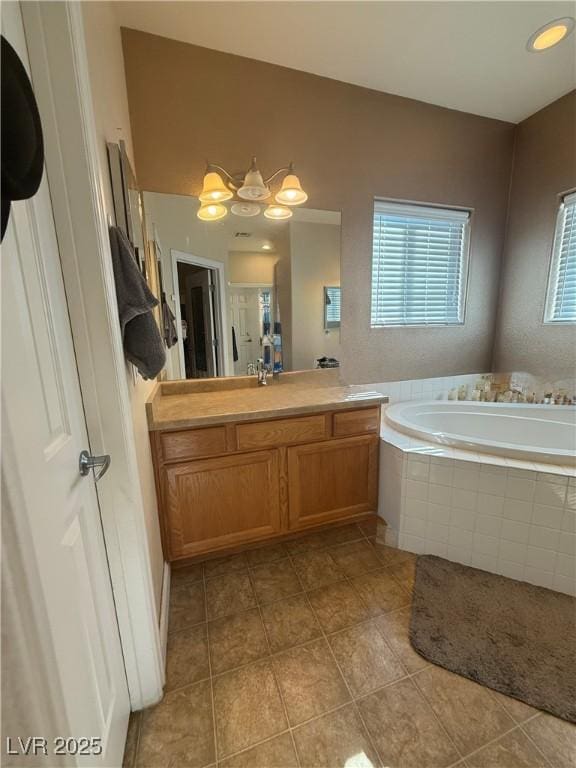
(245, 288)
(129, 215)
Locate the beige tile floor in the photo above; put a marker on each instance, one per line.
(297, 654)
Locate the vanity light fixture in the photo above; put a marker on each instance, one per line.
(251, 188)
(214, 190)
(550, 34)
(291, 192)
(254, 187)
(212, 211)
(278, 212)
(245, 209)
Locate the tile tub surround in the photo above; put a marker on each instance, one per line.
(322, 676)
(421, 389)
(509, 517)
(438, 388)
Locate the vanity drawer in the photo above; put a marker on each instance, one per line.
(193, 443)
(356, 422)
(263, 434)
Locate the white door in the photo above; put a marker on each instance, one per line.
(245, 314)
(44, 430)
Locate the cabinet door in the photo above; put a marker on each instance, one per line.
(332, 480)
(216, 503)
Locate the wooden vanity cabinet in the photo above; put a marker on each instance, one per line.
(226, 485)
(215, 503)
(332, 480)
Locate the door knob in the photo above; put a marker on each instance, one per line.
(88, 462)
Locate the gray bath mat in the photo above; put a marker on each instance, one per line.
(508, 635)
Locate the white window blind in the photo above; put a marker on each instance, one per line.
(561, 300)
(419, 265)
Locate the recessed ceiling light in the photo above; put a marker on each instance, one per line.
(266, 247)
(550, 34)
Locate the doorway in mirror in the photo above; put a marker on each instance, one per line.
(257, 289)
(250, 315)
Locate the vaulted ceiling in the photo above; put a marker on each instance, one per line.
(469, 56)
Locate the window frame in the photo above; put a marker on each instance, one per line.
(552, 281)
(416, 207)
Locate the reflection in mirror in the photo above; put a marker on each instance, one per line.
(331, 307)
(245, 289)
(129, 216)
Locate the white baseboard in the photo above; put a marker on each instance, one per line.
(164, 611)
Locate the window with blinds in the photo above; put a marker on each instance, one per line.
(561, 299)
(331, 307)
(419, 265)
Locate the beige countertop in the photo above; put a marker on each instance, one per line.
(291, 397)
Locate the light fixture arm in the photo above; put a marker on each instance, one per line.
(233, 179)
(289, 169)
(236, 180)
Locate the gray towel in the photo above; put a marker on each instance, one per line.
(143, 345)
(168, 324)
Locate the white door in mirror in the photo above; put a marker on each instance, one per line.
(245, 314)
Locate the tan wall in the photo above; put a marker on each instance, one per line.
(107, 82)
(544, 167)
(350, 144)
(256, 268)
(315, 261)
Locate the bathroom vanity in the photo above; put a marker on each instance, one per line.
(237, 463)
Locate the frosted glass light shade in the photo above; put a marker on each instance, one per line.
(214, 190)
(245, 209)
(291, 192)
(212, 211)
(253, 187)
(277, 212)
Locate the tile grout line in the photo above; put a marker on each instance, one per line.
(350, 693)
(274, 654)
(322, 632)
(526, 734)
(286, 730)
(289, 556)
(253, 746)
(539, 749)
(409, 675)
(304, 593)
(355, 706)
(353, 700)
(515, 727)
(214, 731)
(436, 716)
(278, 687)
